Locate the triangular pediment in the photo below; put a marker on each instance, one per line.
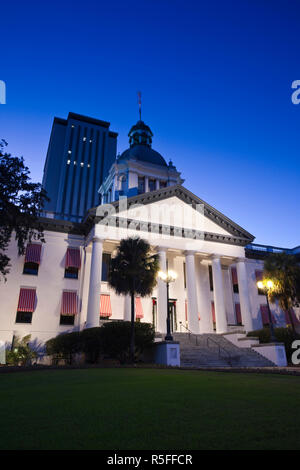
(178, 208)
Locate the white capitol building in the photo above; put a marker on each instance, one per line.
(61, 285)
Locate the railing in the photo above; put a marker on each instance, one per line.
(228, 357)
(189, 332)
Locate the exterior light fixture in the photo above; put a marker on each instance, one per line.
(267, 285)
(167, 277)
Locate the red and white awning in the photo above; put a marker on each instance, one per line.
(105, 306)
(27, 300)
(213, 311)
(69, 303)
(33, 253)
(234, 276)
(138, 308)
(73, 259)
(264, 311)
(238, 314)
(294, 318)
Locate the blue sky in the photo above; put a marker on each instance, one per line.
(216, 88)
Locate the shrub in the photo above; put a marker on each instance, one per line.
(112, 340)
(282, 335)
(90, 343)
(116, 339)
(20, 353)
(64, 346)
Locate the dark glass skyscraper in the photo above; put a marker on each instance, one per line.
(80, 153)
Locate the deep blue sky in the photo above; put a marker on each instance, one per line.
(216, 82)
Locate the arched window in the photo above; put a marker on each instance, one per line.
(123, 183)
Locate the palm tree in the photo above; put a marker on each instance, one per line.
(133, 271)
(284, 270)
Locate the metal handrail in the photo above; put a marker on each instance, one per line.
(189, 331)
(230, 357)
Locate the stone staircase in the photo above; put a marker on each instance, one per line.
(213, 350)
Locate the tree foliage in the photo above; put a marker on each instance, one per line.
(284, 270)
(21, 202)
(134, 268)
(20, 353)
(133, 271)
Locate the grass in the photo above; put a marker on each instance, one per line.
(152, 409)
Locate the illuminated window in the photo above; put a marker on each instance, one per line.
(68, 162)
(69, 151)
(84, 139)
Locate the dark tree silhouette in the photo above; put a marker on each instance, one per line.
(284, 271)
(20, 204)
(133, 271)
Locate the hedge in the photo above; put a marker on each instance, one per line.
(111, 340)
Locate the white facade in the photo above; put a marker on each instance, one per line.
(203, 240)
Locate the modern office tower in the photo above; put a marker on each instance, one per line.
(80, 153)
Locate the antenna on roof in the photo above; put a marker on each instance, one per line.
(140, 103)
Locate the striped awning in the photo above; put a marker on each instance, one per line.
(138, 308)
(258, 275)
(69, 303)
(105, 306)
(294, 318)
(264, 311)
(238, 314)
(26, 300)
(73, 258)
(234, 276)
(33, 253)
(213, 312)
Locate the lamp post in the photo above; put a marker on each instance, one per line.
(266, 286)
(167, 277)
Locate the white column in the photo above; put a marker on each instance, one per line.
(244, 294)
(93, 309)
(157, 184)
(204, 298)
(127, 308)
(162, 293)
(219, 300)
(192, 301)
(146, 184)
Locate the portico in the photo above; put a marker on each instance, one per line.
(201, 304)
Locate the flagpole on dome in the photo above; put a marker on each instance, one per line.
(140, 104)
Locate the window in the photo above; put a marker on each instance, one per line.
(67, 319)
(235, 285)
(106, 257)
(31, 268)
(73, 263)
(152, 184)
(26, 305)
(32, 258)
(238, 314)
(71, 273)
(141, 184)
(211, 283)
(123, 183)
(24, 317)
(105, 307)
(162, 184)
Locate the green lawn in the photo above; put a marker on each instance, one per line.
(152, 409)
